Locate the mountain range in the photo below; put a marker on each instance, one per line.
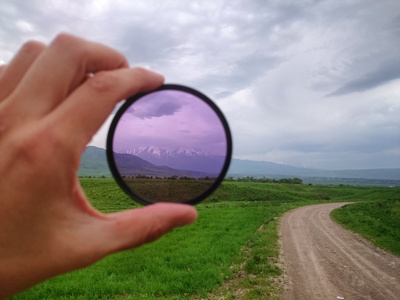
(94, 163)
(132, 165)
(181, 158)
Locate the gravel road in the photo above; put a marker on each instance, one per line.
(321, 260)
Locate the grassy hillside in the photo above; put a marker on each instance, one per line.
(94, 163)
(235, 234)
(378, 221)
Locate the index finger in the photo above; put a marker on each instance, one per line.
(60, 69)
(85, 110)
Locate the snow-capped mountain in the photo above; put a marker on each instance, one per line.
(189, 152)
(153, 151)
(180, 158)
(150, 151)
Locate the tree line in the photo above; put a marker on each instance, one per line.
(265, 180)
(173, 177)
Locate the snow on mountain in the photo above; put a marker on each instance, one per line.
(150, 150)
(180, 158)
(189, 152)
(159, 152)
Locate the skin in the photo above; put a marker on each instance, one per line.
(49, 110)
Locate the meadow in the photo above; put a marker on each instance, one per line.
(233, 245)
(377, 221)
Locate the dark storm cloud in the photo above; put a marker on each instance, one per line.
(370, 57)
(154, 109)
(387, 72)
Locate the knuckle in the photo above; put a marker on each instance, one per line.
(22, 151)
(91, 56)
(33, 47)
(63, 39)
(35, 146)
(74, 46)
(27, 146)
(103, 81)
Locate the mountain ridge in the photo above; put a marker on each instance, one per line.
(159, 152)
(180, 158)
(94, 163)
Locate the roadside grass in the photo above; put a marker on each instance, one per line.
(257, 275)
(234, 241)
(377, 221)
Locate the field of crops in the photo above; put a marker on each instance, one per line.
(161, 190)
(235, 234)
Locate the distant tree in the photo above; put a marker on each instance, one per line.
(297, 181)
(229, 179)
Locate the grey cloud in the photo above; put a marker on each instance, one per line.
(369, 56)
(387, 72)
(282, 56)
(240, 75)
(144, 44)
(154, 110)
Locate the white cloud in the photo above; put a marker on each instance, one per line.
(24, 26)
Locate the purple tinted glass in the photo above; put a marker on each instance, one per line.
(169, 145)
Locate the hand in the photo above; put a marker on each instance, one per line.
(49, 110)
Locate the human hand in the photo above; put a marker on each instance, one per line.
(49, 110)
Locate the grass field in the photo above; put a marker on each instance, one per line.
(377, 221)
(235, 234)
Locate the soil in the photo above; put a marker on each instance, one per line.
(321, 260)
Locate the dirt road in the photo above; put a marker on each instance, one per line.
(324, 261)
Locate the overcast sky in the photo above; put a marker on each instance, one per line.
(304, 83)
(170, 120)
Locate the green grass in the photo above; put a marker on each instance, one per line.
(105, 195)
(236, 230)
(378, 221)
(189, 260)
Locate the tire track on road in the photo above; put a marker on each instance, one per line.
(322, 260)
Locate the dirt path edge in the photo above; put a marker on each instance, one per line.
(322, 260)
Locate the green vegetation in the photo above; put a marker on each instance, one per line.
(378, 221)
(265, 180)
(329, 180)
(168, 190)
(234, 242)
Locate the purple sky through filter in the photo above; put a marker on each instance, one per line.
(170, 119)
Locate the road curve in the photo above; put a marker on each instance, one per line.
(321, 260)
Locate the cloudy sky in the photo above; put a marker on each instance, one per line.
(170, 120)
(301, 82)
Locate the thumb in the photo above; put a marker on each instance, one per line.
(132, 228)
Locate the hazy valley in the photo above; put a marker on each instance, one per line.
(94, 163)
